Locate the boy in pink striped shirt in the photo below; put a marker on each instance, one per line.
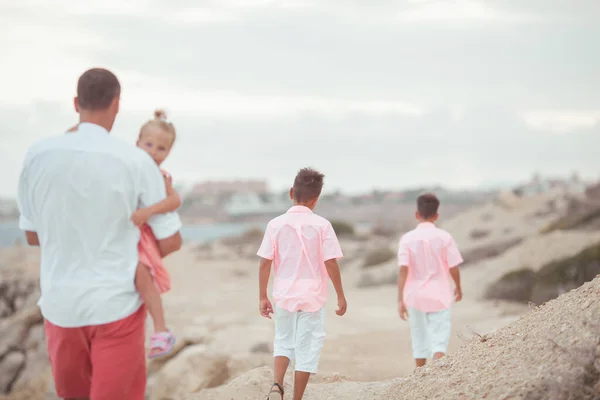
(303, 249)
(428, 259)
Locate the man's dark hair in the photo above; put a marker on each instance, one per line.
(427, 205)
(97, 88)
(307, 185)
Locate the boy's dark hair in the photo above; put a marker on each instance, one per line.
(97, 88)
(427, 205)
(307, 185)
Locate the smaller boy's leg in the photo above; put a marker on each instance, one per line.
(151, 296)
(440, 329)
(419, 336)
(310, 336)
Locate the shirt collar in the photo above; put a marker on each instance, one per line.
(88, 127)
(300, 209)
(426, 225)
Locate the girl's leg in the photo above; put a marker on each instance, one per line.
(151, 296)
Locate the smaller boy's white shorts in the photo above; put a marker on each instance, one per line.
(299, 336)
(429, 332)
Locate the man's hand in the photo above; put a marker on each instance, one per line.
(342, 306)
(265, 308)
(458, 294)
(141, 216)
(402, 310)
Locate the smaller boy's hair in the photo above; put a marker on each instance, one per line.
(307, 185)
(427, 205)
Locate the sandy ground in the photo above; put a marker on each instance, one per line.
(219, 298)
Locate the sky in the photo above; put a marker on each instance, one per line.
(375, 94)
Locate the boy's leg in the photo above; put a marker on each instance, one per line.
(439, 331)
(310, 336)
(419, 336)
(283, 345)
(151, 296)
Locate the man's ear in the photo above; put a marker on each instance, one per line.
(116, 104)
(76, 104)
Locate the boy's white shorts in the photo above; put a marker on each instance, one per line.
(429, 332)
(299, 336)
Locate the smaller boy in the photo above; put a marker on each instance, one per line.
(304, 250)
(428, 257)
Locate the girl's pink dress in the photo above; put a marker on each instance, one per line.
(149, 255)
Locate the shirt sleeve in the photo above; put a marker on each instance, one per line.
(24, 202)
(403, 252)
(267, 247)
(453, 257)
(152, 191)
(331, 245)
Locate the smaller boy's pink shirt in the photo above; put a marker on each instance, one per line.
(429, 253)
(299, 242)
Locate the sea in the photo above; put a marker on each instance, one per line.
(194, 233)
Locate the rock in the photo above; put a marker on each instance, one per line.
(514, 286)
(190, 337)
(5, 310)
(10, 367)
(190, 371)
(550, 281)
(263, 347)
(488, 251)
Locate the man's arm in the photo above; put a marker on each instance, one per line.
(25, 209)
(32, 238)
(170, 244)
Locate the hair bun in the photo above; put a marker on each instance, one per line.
(160, 115)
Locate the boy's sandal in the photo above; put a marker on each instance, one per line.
(163, 342)
(276, 394)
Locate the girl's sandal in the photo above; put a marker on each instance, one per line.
(276, 392)
(161, 344)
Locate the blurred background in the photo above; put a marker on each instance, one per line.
(492, 105)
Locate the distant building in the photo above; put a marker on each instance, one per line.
(254, 204)
(216, 188)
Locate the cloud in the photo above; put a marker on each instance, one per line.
(562, 121)
(456, 11)
(380, 93)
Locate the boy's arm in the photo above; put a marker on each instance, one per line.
(455, 273)
(403, 262)
(454, 259)
(264, 306)
(266, 252)
(333, 269)
(402, 275)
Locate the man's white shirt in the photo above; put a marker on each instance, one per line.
(78, 191)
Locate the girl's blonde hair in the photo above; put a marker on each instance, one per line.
(160, 121)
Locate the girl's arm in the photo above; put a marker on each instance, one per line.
(170, 204)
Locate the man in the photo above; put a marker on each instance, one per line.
(76, 195)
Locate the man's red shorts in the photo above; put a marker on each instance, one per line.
(100, 362)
